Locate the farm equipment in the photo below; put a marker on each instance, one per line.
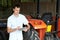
(39, 26)
(51, 34)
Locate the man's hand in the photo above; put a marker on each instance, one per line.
(18, 28)
(25, 30)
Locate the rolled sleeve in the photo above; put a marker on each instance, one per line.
(25, 21)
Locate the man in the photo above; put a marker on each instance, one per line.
(15, 23)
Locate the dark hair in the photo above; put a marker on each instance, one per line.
(16, 5)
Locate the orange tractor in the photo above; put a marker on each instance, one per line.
(39, 25)
(43, 27)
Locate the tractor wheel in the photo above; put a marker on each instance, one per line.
(2, 36)
(36, 37)
(49, 36)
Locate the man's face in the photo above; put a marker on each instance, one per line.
(16, 10)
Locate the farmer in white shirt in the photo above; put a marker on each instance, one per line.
(15, 23)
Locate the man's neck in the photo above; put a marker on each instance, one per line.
(16, 15)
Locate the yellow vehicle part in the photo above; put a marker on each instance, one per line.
(48, 28)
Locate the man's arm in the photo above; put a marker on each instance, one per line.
(9, 30)
(27, 28)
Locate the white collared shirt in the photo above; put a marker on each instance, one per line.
(13, 22)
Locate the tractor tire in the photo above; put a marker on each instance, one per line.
(2, 36)
(49, 36)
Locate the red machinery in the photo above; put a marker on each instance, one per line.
(58, 28)
(39, 25)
